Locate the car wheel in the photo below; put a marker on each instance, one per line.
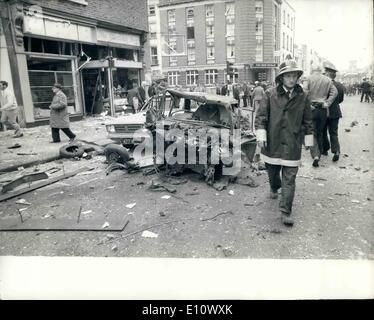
(71, 151)
(116, 153)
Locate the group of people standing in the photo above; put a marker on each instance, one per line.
(290, 115)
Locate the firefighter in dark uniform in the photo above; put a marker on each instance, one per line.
(284, 113)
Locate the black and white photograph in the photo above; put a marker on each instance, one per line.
(172, 134)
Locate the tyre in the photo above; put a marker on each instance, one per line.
(116, 153)
(71, 151)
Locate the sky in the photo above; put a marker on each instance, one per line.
(339, 30)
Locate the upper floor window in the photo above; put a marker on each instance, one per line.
(230, 9)
(209, 10)
(190, 13)
(259, 6)
(152, 10)
(210, 31)
(171, 15)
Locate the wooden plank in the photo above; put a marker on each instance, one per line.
(28, 178)
(42, 184)
(67, 224)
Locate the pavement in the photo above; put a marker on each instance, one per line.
(36, 147)
(333, 209)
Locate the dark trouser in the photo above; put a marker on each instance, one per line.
(332, 127)
(245, 101)
(56, 134)
(287, 183)
(367, 96)
(319, 122)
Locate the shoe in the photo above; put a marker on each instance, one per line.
(287, 219)
(325, 153)
(315, 162)
(273, 195)
(336, 157)
(18, 135)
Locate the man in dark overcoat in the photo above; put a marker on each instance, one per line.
(283, 114)
(59, 118)
(334, 115)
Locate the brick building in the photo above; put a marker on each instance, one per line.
(94, 48)
(203, 35)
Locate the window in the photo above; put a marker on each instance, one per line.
(209, 11)
(283, 41)
(287, 43)
(288, 20)
(171, 15)
(230, 51)
(211, 76)
(154, 57)
(173, 78)
(259, 25)
(259, 6)
(259, 48)
(192, 77)
(191, 55)
(152, 10)
(284, 17)
(190, 13)
(153, 35)
(210, 31)
(210, 53)
(291, 44)
(190, 33)
(230, 9)
(230, 30)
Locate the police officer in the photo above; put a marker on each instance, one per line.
(335, 114)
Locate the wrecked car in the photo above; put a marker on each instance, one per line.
(199, 131)
(124, 128)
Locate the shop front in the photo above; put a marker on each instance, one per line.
(95, 65)
(263, 72)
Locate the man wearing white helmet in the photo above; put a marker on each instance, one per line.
(322, 94)
(282, 116)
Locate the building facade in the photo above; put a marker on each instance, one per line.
(155, 38)
(287, 30)
(198, 38)
(91, 47)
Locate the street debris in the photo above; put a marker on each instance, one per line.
(193, 193)
(354, 123)
(217, 215)
(41, 184)
(15, 146)
(159, 185)
(23, 201)
(227, 252)
(28, 178)
(114, 248)
(231, 192)
(118, 157)
(53, 170)
(105, 225)
(131, 205)
(130, 212)
(61, 224)
(162, 214)
(27, 154)
(357, 168)
(149, 234)
(347, 130)
(365, 150)
(165, 197)
(355, 201)
(86, 212)
(109, 188)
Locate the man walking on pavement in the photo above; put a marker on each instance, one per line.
(8, 108)
(282, 114)
(322, 93)
(366, 90)
(59, 118)
(335, 113)
(258, 95)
